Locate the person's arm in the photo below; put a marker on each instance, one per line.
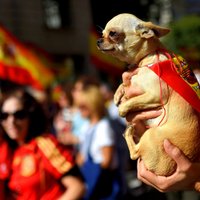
(107, 152)
(74, 183)
(67, 138)
(185, 177)
(75, 188)
(65, 170)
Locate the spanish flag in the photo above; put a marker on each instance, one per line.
(20, 65)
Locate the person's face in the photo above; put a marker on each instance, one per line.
(78, 87)
(14, 119)
(85, 110)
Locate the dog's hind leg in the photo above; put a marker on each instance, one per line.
(132, 146)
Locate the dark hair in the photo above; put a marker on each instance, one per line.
(36, 114)
(67, 88)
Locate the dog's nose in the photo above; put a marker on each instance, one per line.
(99, 41)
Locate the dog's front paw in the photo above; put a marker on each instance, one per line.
(129, 137)
(122, 109)
(119, 94)
(125, 106)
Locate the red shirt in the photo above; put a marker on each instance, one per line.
(5, 160)
(5, 164)
(37, 168)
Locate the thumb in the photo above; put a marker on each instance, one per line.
(175, 153)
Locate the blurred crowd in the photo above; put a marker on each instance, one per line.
(66, 144)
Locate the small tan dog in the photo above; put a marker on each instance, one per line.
(148, 86)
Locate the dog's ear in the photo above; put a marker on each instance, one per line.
(148, 30)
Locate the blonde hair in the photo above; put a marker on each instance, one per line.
(93, 99)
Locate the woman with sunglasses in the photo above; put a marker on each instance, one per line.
(40, 168)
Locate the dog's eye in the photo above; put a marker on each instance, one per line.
(116, 36)
(112, 33)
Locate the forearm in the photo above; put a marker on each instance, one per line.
(75, 188)
(107, 156)
(67, 138)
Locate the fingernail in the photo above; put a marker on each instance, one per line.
(166, 143)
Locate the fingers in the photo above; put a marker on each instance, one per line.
(142, 172)
(133, 91)
(130, 91)
(180, 179)
(176, 154)
(126, 77)
(144, 115)
(150, 178)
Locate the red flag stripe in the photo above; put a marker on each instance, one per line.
(173, 79)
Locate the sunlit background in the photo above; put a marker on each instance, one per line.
(45, 43)
(62, 34)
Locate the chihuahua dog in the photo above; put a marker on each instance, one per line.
(156, 79)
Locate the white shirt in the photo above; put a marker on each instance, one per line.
(102, 136)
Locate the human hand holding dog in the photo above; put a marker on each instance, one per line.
(137, 119)
(187, 174)
(185, 177)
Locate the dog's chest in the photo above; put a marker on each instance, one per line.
(145, 78)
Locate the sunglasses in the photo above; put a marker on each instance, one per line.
(20, 114)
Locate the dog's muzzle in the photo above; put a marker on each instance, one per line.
(99, 42)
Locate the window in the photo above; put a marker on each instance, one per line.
(56, 13)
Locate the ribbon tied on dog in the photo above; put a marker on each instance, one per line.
(178, 75)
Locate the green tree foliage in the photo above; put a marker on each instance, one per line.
(184, 37)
